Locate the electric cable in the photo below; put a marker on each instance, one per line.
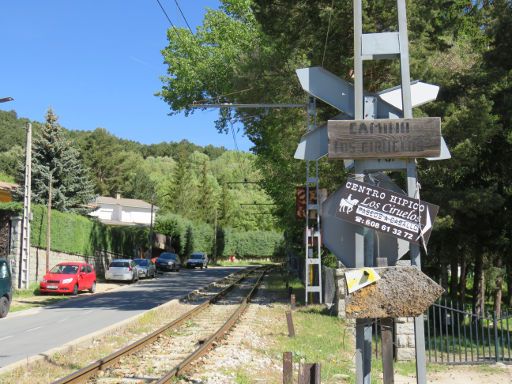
(328, 30)
(182, 15)
(170, 22)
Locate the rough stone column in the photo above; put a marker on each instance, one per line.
(341, 292)
(405, 345)
(15, 250)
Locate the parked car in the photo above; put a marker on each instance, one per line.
(197, 259)
(168, 261)
(146, 267)
(69, 277)
(5, 288)
(122, 269)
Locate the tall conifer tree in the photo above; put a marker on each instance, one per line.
(54, 155)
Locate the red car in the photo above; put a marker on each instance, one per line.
(69, 277)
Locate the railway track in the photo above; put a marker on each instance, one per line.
(169, 351)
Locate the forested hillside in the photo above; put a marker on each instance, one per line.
(249, 51)
(202, 184)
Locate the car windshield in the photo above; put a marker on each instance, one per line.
(64, 269)
(119, 264)
(197, 257)
(141, 262)
(169, 256)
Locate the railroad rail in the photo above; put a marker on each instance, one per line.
(199, 329)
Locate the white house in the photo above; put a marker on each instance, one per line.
(121, 211)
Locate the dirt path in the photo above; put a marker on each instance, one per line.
(492, 374)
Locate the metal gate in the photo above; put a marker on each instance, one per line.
(456, 335)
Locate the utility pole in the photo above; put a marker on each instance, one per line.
(49, 223)
(24, 271)
(215, 237)
(151, 228)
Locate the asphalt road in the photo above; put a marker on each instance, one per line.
(33, 333)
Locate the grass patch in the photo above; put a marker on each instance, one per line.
(242, 378)
(33, 290)
(320, 338)
(23, 299)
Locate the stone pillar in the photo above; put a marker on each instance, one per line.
(341, 292)
(405, 345)
(15, 249)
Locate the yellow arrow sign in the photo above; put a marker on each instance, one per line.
(359, 278)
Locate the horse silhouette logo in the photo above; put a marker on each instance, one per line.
(347, 205)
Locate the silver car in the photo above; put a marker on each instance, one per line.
(197, 259)
(122, 269)
(146, 267)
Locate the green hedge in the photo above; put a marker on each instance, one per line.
(11, 208)
(184, 232)
(76, 234)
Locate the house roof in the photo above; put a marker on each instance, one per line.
(123, 202)
(8, 186)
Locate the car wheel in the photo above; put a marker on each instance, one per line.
(93, 288)
(75, 290)
(4, 306)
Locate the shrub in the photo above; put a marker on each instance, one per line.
(230, 241)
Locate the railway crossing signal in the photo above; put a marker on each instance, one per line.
(358, 105)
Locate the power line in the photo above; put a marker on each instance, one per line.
(248, 105)
(182, 15)
(234, 137)
(257, 204)
(328, 29)
(165, 13)
(172, 24)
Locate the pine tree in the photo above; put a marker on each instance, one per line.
(207, 199)
(54, 155)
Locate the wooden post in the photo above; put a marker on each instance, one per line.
(287, 368)
(292, 302)
(386, 331)
(289, 320)
(309, 373)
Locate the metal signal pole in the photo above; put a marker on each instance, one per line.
(24, 271)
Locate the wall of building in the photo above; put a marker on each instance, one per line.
(136, 215)
(124, 214)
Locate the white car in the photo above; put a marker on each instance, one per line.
(122, 269)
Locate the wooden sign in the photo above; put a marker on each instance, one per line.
(386, 211)
(400, 292)
(384, 138)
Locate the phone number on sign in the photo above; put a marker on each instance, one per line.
(383, 227)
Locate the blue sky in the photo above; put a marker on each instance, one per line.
(98, 63)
